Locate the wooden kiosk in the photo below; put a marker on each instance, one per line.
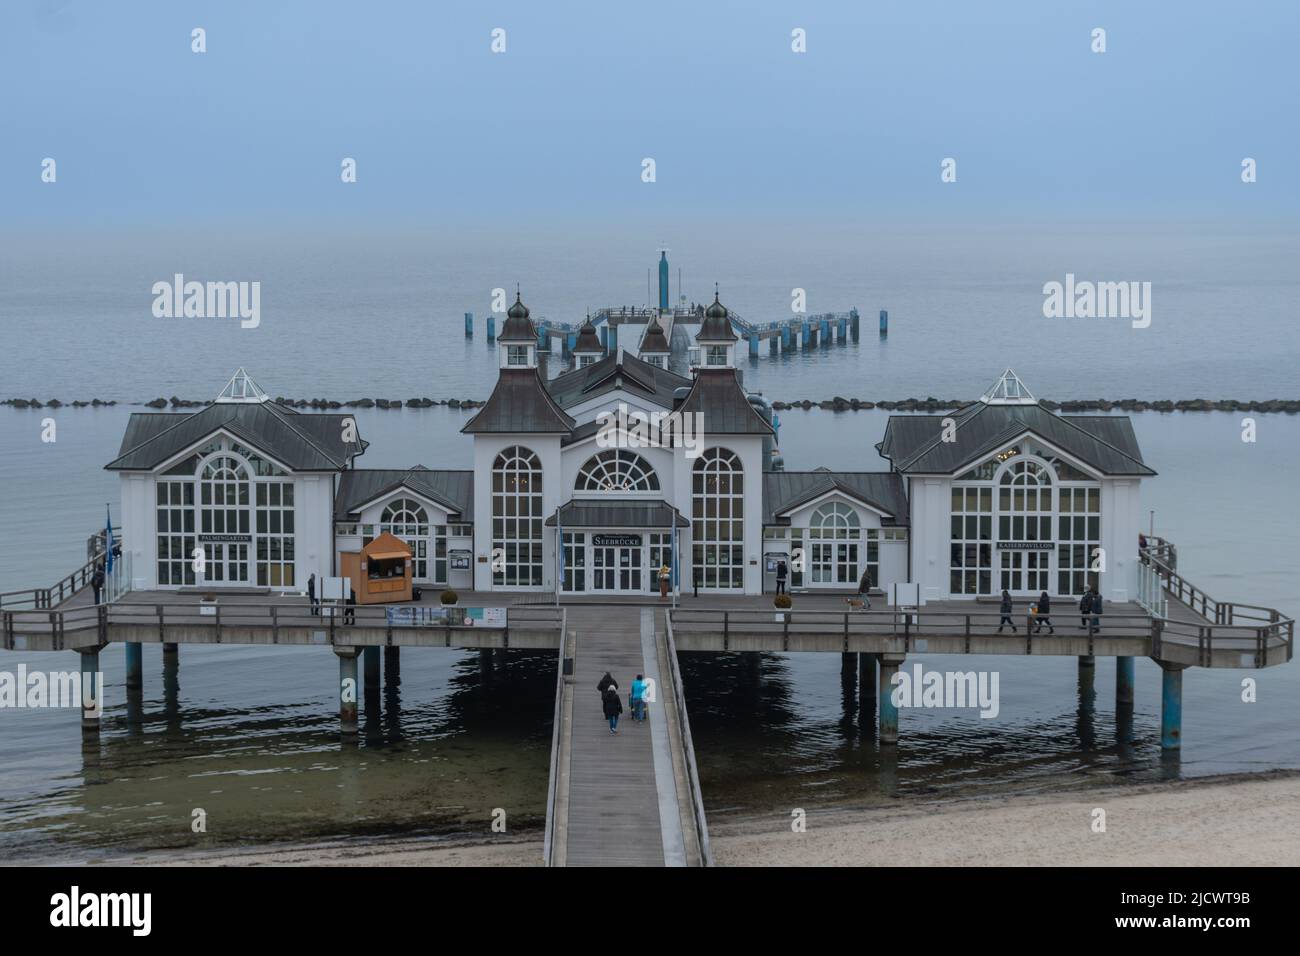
(381, 571)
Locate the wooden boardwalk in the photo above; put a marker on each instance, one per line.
(621, 793)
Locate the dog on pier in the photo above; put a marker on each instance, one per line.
(858, 603)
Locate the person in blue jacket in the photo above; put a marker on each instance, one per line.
(638, 698)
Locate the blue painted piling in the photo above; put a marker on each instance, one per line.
(1171, 707)
(841, 333)
(785, 338)
(613, 338)
(753, 344)
(543, 339)
(492, 327)
(808, 333)
(855, 323)
(134, 664)
(826, 332)
(570, 340)
(1125, 677)
(469, 324)
(888, 709)
(884, 322)
(772, 344)
(604, 336)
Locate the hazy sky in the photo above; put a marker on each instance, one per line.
(146, 132)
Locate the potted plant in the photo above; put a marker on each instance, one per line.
(208, 605)
(782, 603)
(449, 597)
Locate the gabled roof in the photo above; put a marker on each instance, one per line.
(785, 491)
(725, 409)
(618, 513)
(519, 404)
(914, 443)
(609, 374)
(454, 490)
(300, 442)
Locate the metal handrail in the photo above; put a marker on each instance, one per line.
(65, 587)
(688, 744)
(552, 782)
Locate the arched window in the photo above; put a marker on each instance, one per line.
(835, 530)
(517, 518)
(1025, 510)
(409, 521)
(617, 469)
(718, 519)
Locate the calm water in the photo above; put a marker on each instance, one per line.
(249, 735)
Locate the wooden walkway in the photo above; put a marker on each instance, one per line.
(621, 794)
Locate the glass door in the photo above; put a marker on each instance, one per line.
(604, 570)
(629, 569)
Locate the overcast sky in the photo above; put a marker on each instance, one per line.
(146, 132)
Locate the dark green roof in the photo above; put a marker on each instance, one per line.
(454, 490)
(914, 442)
(787, 490)
(617, 513)
(308, 442)
(519, 404)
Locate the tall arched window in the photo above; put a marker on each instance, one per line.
(617, 469)
(718, 519)
(517, 518)
(225, 524)
(408, 520)
(1025, 510)
(834, 533)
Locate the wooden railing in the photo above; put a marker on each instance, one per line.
(688, 744)
(269, 618)
(41, 598)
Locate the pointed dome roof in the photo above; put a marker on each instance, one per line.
(654, 339)
(588, 339)
(518, 327)
(1008, 390)
(716, 326)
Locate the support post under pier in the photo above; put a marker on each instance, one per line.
(92, 689)
(1171, 706)
(371, 668)
(889, 664)
(347, 689)
(134, 664)
(1125, 676)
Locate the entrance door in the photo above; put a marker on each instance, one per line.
(629, 569)
(1026, 572)
(604, 568)
(225, 562)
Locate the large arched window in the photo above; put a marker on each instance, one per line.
(407, 519)
(834, 532)
(517, 518)
(718, 519)
(617, 469)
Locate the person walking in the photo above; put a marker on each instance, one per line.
(1096, 612)
(350, 614)
(606, 683)
(1044, 614)
(613, 707)
(1085, 607)
(1005, 610)
(97, 582)
(665, 576)
(638, 698)
(781, 571)
(311, 594)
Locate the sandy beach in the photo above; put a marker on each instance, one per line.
(1216, 822)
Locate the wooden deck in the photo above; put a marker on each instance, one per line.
(621, 792)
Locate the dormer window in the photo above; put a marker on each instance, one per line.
(716, 356)
(517, 355)
(659, 361)
(585, 360)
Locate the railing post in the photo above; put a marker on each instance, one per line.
(161, 636)
(217, 608)
(967, 633)
(726, 629)
(846, 632)
(275, 626)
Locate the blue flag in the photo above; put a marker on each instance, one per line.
(108, 542)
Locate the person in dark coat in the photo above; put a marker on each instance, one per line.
(1005, 610)
(97, 582)
(606, 683)
(311, 593)
(1085, 607)
(613, 707)
(781, 572)
(350, 615)
(1044, 614)
(1095, 607)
